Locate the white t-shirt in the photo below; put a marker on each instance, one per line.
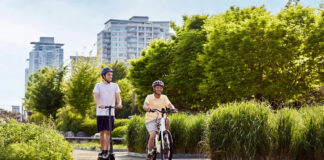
(107, 97)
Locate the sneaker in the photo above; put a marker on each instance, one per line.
(100, 154)
(105, 155)
(149, 156)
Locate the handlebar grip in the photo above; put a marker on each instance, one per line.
(107, 107)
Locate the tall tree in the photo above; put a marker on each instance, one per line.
(186, 69)
(152, 65)
(44, 91)
(78, 88)
(253, 54)
(126, 96)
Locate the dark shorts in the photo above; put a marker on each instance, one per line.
(103, 123)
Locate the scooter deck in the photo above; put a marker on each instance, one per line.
(110, 157)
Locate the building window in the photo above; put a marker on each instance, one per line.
(115, 29)
(149, 28)
(132, 29)
(148, 34)
(122, 34)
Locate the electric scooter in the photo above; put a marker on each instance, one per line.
(111, 155)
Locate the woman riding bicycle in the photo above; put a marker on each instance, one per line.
(155, 101)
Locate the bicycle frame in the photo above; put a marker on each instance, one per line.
(162, 128)
(160, 134)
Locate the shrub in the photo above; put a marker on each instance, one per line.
(121, 122)
(28, 141)
(179, 131)
(182, 126)
(311, 142)
(196, 131)
(119, 131)
(288, 127)
(68, 119)
(89, 126)
(136, 135)
(239, 130)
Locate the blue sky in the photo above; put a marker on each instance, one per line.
(77, 22)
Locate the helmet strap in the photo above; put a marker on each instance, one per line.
(105, 79)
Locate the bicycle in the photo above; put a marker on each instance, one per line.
(111, 155)
(164, 145)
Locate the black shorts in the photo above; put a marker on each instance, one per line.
(103, 123)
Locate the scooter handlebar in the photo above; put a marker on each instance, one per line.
(107, 107)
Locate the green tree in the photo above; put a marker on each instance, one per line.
(253, 54)
(126, 96)
(152, 65)
(44, 91)
(85, 74)
(186, 69)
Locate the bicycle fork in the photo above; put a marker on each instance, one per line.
(159, 138)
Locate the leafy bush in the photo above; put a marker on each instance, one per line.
(182, 126)
(119, 131)
(89, 126)
(68, 119)
(136, 135)
(121, 122)
(28, 141)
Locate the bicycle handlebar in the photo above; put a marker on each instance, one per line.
(163, 110)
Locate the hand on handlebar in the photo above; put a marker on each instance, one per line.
(174, 110)
(119, 106)
(165, 111)
(107, 107)
(149, 110)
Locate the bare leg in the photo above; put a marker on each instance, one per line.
(103, 140)
(107, 133)
(151, 140)
(167, 124)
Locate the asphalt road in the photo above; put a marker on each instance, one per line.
(92, 155)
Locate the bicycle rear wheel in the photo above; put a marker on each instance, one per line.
(167, 150)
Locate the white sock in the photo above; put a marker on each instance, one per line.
(149, 152)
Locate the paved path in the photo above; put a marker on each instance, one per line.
(92, 155)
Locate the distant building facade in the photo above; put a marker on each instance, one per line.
(125, 39)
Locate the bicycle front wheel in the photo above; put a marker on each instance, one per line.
(167, 150)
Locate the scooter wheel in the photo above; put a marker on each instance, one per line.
(111, 157)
